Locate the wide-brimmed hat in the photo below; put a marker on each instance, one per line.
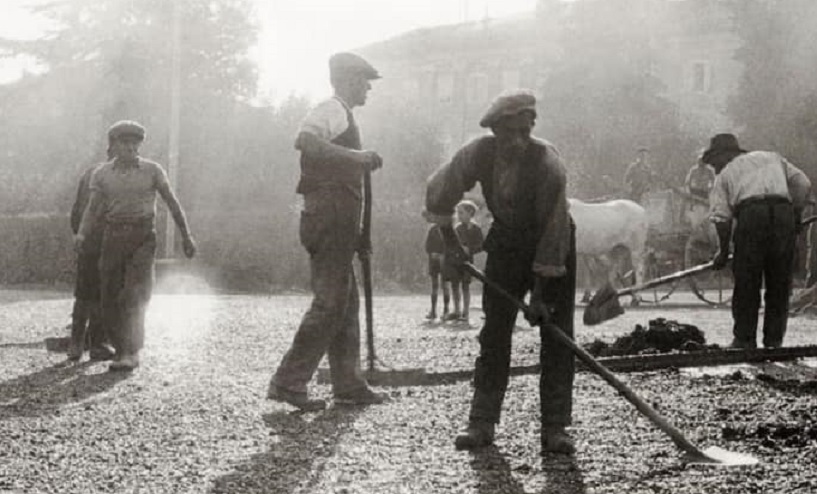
(722, 149)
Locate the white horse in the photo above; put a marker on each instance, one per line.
(604, 229)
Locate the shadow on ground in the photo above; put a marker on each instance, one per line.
(494, 474)
(46, 390)
(28, 345)
(298, 446)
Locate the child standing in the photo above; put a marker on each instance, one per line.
(435, 249)
(471, 238)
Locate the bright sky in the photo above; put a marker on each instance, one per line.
(298, 36)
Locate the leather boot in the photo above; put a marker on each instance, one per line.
(478, 435)
(557, 440)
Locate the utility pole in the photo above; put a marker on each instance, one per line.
(175, 112)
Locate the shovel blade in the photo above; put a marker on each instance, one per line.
(719, 457)
(602, 307)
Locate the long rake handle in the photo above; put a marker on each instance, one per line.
(656, 418)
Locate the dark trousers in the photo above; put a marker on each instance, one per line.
(126, 271)
(764, 251)
(86, 323)
(512, 270)
(329, 231)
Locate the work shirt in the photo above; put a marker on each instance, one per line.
(327, 120)
(527, 198)
(82, 198)
(756, 175)
(471, 238)
(128, 192)
(699, 180)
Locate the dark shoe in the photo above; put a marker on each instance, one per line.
(451, 317)
(736, 343)
(431, 316)
(101, 353)
(362, 396)
(75, 351)
(479, 434)
(557, 440)
(300, 401)
(127, 363)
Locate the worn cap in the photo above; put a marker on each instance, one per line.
(349, 63)
(126, 128)
(507, 104)
(722, 147)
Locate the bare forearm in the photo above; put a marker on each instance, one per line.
(176, 211)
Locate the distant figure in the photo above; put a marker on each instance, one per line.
(764, 196)
(639, 176)
(86, 317)
(435, 248)
(123, 204)
(333, 164)
(700, 179)
(471, 238)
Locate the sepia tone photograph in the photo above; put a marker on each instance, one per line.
(408, 246)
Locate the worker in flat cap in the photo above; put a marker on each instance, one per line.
(763, 196)
(531, 247)
(123, 205)
(333, 163)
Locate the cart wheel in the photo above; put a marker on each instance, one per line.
(712, 287)
(655, 267)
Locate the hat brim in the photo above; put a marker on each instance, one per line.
(715, 155)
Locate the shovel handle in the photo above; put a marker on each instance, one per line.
(656, 418)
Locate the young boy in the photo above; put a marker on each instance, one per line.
(471, 237)
(435, 249)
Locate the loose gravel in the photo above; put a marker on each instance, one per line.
(193, 418)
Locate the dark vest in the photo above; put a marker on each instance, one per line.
(317, 173)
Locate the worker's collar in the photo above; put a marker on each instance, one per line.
(342, 102)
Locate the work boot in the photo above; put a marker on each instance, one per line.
(298, 400)
(361, 396)
(557, 440)
(75, 350)
(742, 344)
(101, 353)
(431, 315)
(127, 363)
(478, 434)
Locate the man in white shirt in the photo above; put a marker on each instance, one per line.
(332, 168)
(765, 195)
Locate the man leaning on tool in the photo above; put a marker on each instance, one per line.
(332, 168)
(123, 198)
(530, 246)
(765, 195)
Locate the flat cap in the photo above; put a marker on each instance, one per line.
(349, 63)
(126, 128)
(507, 104)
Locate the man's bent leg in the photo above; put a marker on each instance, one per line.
(331, 275)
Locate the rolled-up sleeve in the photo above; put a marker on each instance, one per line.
(799, 185)
(720, 210)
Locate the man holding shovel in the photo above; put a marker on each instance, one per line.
(766, 196)
(333, 165)
(531, 247)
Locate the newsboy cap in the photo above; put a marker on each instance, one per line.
(345, 63)
(507, 104)
(126, 128)
(722, 148)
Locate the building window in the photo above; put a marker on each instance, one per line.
(477, 89)
(445, 87)
(701, 77)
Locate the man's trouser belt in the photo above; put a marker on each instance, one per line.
(134, 224)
